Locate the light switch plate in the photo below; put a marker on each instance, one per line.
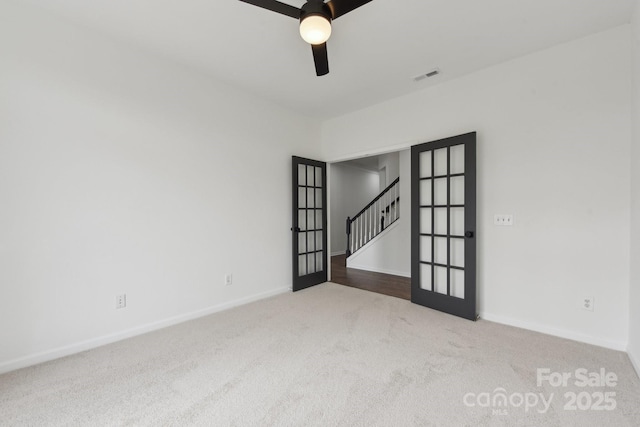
(503, 219)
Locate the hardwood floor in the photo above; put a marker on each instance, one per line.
(387, 284)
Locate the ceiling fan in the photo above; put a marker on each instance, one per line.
(315, 22)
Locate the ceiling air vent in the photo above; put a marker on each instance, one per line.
(428, 74)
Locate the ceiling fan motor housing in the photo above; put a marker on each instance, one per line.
(318, 8)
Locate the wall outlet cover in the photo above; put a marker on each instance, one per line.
(121, 301)
(587, 303)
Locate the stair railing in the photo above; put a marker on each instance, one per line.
(379, 214)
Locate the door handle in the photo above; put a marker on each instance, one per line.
(468, 234)
(295, 229)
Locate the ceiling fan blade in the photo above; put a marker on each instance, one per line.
(340, 7)
(276, 6)
(320, 58)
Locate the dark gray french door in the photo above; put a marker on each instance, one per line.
(309, 222)
(443, 225)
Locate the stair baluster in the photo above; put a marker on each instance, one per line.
(379, 214)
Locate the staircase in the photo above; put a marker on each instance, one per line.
(379, 214)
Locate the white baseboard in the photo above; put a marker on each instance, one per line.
(89, 344)
(575, 336)
(337, 253)
(634, 361)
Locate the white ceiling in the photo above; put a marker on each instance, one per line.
(374, 51)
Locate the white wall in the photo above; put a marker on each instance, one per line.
(391, 164)
(351, 189)
(553, 150)
(634, 300)
(390, 252)
(124, 173)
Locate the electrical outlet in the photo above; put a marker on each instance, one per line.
(503, 219)
(587, 303)
(121, 301)
(228, 279)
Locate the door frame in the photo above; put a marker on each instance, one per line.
(329, 163)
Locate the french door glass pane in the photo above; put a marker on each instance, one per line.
(302, 199)
(425, 164)
(425, 220)
(440, 161)
(457, 283)
(318, 182)
(310, 176)
(425, 277)
(425, 192)
(302, 265)
(457, 159)
(425, 248)
(440, 187)
(457, 221)
(441, 280)
(457, 190)
(302, 175)
(319, 241)
(302, 220)
(457, 252)
(311, 242)
(311, 258)
(302, 242)
(440, 249)
(310, 220)
(311, 198)
(441, 221)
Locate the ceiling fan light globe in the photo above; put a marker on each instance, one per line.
(315, 29)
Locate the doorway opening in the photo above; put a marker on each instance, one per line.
(370, 230)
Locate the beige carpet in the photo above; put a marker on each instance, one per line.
(329, 356)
